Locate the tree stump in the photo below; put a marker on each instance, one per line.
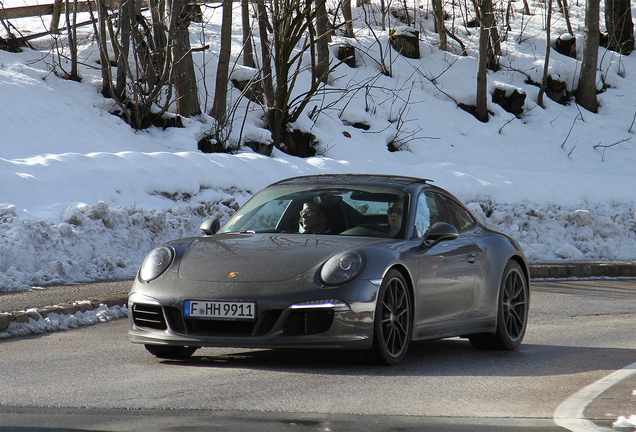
(298, 143)
(250, 89)
(406, 41)
(347, 53)
(557, 91)
(510, 99)
(566, 45)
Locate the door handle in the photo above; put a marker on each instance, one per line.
(472, 259)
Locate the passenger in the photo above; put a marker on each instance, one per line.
(394, 214)
(314, 219)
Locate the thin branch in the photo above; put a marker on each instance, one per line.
(507, 123)
(606, 146)
(570, 131)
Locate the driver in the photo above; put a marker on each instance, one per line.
(394, 214)
(314, 219)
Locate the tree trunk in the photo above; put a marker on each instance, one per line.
(586, 91)
(546, 63)
(487, 16)
(620, 27)
(438, 9)
(268, 79)
(248, 50)
(219, 109)
(185, 82)
(565, 10)
(348, 16)
(159, 33)
(322, 41)
(124, 48)
(481, 105)
(107, 78)
(277, 113)
(55, 18)
(72, 37)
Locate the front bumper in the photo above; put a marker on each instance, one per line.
(287, 317)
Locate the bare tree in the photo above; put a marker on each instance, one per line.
(219, 109)
(266, 52)
(439, 24)
(107, 75)
(565, 10)
(185, 83)
(289, 21)
(348, 16)
(124, 25)
(586, 91)
(151, 62)
(481, 105)
(248, 50)
(486, 16)
(546, 63)
(620, 27)
(322, 41)
(72, 38)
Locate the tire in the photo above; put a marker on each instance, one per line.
(169, 352)
(512, 312)
(393, 324)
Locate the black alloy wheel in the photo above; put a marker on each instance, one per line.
(393, 321)
(512, 316)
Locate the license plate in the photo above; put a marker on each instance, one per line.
(219, 310)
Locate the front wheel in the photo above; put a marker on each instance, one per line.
(169, 352)
(393, 321)
(512, 315)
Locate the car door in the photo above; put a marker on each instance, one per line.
(448, 270)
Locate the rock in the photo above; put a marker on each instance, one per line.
(20, 317)
(47, 310)
(5, 320)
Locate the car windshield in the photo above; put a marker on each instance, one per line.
(356, 211)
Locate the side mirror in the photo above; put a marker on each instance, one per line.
(438, 232)
(210, 226)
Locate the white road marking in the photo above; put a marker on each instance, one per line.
(569, 414)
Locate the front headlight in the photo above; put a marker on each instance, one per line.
(342, 268)
(156, 263)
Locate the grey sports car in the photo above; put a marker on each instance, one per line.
(362, 262)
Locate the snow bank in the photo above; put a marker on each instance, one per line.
(60, 322)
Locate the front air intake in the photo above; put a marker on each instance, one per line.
(309, 322)
(149, 316)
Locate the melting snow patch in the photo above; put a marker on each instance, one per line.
(59, 322)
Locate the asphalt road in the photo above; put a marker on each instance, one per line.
(93, 379)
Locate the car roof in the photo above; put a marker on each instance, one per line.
(373, 180)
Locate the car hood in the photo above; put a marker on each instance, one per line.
(261, 257)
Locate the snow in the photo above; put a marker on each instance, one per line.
(62, 322)
(84, 197)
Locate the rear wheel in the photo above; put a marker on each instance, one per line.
(512, 315)
(171, 352)
(393, 322)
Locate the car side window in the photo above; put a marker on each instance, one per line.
(422, 217)
(449, 211)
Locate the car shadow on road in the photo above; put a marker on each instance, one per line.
(449, 357)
